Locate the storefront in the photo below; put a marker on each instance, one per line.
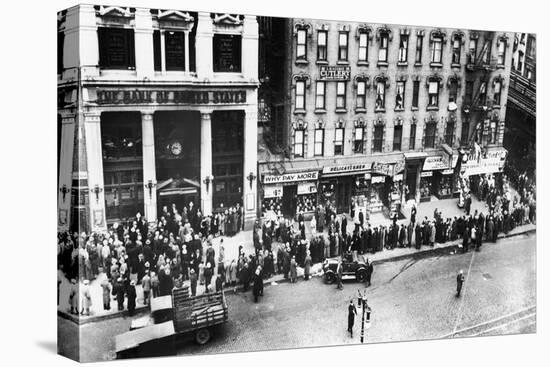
(436, 178)
(342, 185)
(477, 166)
(414, 162)
(289, 193)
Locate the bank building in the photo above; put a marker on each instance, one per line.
(155, 107)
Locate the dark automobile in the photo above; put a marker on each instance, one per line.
(351, 269)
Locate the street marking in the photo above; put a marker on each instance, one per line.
(458, 316)
(489, 322)
(506, 324)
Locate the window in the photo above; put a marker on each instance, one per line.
(339, 141)
(403, 48)
(400, 96)
(227, 53)
(116, 48)
(472, 51)
(453, 91)
(520, 61)
(358, 140)
(383, 51)
(465, 132)
(418, 54)
(412, 137)
(397, 135)
(529, 73)
(363, 46)
(319, 142)
(429, 139)
(380, 95)
(433, 94)
(174, 50)
(530, 47)
(60, 43)
(320, 96)
(300, 95)
(496, 94)
(456, 50)
(322, 45)
(483, 93)
(378, 138)
(416, 90)
(437, 49)
(469, 93)
(501, 51)
(343, 46)
(341, 95)
(450, 133)
(361, 94)
(299, 143)
(301, 45)
(493, 132)
(486, 56)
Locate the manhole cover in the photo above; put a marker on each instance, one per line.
(487, 276)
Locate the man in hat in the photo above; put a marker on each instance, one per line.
(86, 298)
(339, 274)
(132, 298)
(258, 284)
(459, 282)
(146, 285)
(118, 291)
(293, 270)
(352, 311)
(74, 297)
(106, 288)
(193, 280)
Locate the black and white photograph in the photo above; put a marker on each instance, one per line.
(233, 182)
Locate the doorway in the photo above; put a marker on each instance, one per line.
(289, 200)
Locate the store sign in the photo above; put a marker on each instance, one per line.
(382, 168)
(399, 167)
(447, 172)
(398, 177)
(189, 97)
(491, 163)
(291, 177)
(334, 73)
(346, 168)
(436, 163)
(378, 179)
(273, 191)
(426, 174)
(307, 188)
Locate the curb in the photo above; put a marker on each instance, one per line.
(441, 249)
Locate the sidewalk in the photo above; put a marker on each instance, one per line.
(383, 256)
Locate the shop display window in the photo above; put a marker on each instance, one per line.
(306, 203)
(271, 204)
(425, 187)
(375, 197)
(445, 186)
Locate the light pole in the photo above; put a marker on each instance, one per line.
(366, 313)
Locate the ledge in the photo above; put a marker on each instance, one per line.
(299, 111)
(360, 110)
(321, 62)
(341, 110)
(418, 64)
(399, 109)
(436, 65)
(301, 62)
(342, 62)
(362, 63)
(456, 66)
(320, 110)
(377, 110)
(382, 63)
(402, 63)
(414, 108)
(432, 108)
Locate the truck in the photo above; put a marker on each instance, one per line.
(171, 316)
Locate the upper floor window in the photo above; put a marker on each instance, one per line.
(320, 96)
(456, 50)
(530, 47)
(520, 61)
(380, 103)
(361, 94)
(358, 139)
(403, 48)
(60, 45)
(343, 46)
(429, 137)
(383, 50)
(453, 91)
(378, 138)
(501, 57)
(450, 133)
(339, 141)
(437, 49)
(400, 95)
(322, 45)
(397, 137)
(472, 50)
(418, 54)
(416, 91)
(299, 143)
(341, 95)
(301, 44)
(486, 57)
(433, 93)
(469, 92)
(497, 92)
(412, 137)
(300, 95)
(483, 93)
(319, 142)
(176, 52)
(227, 53)
(116, 48)
(363, 46)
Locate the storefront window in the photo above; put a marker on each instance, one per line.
(425, 188)
(377, 193)
(445, 186)
(227, 53)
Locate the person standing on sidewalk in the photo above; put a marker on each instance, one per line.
(339, 273)
(465, 238)
(370, 270)
(106, 287)
(146, 284)
(193, 280)
(86, 298)
(352, 311)
(257, 288)
(293, 270)
(131, 298)
(307, 265)
(118, 291)
(459, 282)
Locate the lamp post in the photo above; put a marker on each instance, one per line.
(64, 190)
(150, 185)
(365, 314)
(251, 177)
(96, 190)
(207, 180)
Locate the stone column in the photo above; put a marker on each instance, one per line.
(149, 166)
(94, 155)
(187, 50)
(65, 171)
(81, 47)
(207, 186)
(250, 166)
(203, 46)
(144, 43)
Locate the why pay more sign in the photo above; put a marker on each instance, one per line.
(290, 177)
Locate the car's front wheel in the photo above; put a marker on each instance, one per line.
(361, 276)
(330, 277)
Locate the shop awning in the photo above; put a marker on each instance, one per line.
(415, 155)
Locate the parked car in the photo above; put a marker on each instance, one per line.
(351, 269)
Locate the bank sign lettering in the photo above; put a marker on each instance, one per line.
(188, 97)
(290, 177)
(334, 73)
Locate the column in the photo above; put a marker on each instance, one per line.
(250, 167)
(149, 166)
(249, 48)
(187, 50)
(162, 52)
(207, 186)
(65, 171)
(81, 47)
(144, 43)
(94, 163)
(203, 46)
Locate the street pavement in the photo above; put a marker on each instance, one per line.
(411, 299)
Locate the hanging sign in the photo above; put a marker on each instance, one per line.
(378, 179)
(426, 174)
(273, 191)
(447, 172)
(291, 177)
(334, 72)
(382, 168)
(305, 188)
(435, 163)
